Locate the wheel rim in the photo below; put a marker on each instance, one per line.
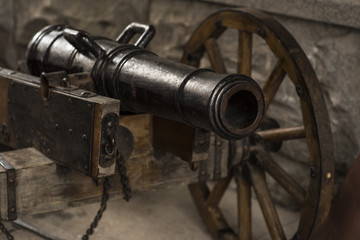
(291, 61)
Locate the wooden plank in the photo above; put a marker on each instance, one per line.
(42, 186)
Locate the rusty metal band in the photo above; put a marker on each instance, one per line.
(11, 189)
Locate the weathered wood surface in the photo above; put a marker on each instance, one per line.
(42, 186)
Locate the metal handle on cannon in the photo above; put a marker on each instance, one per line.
(147, 33)
(83, 42)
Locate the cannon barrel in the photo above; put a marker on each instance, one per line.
(231, 105)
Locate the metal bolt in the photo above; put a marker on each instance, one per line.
(57, 126)
(11, 180)
(89, 106)
(69, 100)
(312, 172)
(299, 90)
(12, 209)
(110, 124)
(64, 83)
(218, 144)
(261, 32)
(70, 131)
(85, 94)
(328, 176)
(218, 23)
(194, 166)
(48, 151)
(84, 137)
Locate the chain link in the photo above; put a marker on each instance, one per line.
(124, 179)
(104, 199)
(6, 232)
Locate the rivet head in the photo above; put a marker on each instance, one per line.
(84, 137)
(328, 176)
(70, 131)
(12, 209)
(312, 172)
(194, 166)
(110, 124)
(299, 90)
(11, 180)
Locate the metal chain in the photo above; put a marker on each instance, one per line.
(124, 179)
(6, 232)
(104, 199)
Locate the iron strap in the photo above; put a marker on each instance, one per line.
(11, 190)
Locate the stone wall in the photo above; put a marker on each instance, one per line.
(328, 31)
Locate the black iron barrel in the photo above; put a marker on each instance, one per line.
(231, 105)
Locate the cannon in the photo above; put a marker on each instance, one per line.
(110, 107)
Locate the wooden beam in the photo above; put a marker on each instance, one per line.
(42, 186)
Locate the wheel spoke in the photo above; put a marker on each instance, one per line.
(244, 204)
(244, 53)
(284, 179)
(213, 51)
(211, 215)
(273, 83)
(218, 190)
(266, 204)
(281, 134)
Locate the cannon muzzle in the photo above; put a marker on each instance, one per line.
(231, 105)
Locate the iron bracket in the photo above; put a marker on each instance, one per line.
(11, 188)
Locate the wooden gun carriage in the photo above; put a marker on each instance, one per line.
(63, 128)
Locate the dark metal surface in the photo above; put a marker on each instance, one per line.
(11, 190)
(55, 126)
(108, 139)
(147, 33)
(230, 105)
(62, 121)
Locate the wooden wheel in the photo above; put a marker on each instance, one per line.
(257, 161)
